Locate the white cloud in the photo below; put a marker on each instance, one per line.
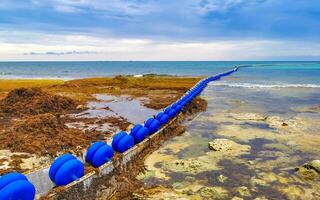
(206, 6)
(142, 49)
(110, 6)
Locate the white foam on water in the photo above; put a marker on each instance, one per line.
(254, 85)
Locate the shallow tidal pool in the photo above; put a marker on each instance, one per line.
(259, 139)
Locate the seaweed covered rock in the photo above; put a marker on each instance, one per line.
(222, 144)
(310, 170)
(32, 101)
(315, 164)
(213, 193)
(44, 134)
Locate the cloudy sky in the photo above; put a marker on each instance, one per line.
(159, 30)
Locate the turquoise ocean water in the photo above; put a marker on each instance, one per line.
(259, 74)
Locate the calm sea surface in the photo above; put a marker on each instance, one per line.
(259, 74)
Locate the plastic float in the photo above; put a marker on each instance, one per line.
(163, 118)
(66, 169)
(148, 122)
(177, 107)
(135, 129)
(153, 125)
(99, 153)
(139, 133)
(159, 115)
(122, 142)
(15, 186)
(171, 112)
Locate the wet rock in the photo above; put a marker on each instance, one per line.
(207, 162)
(244, 191)
(226, 145)
(220, 145)
(221, 178)
(250, 162)
(279, 123)
(192, 163)
(191, 166)
(214, 193)
(315, 164)
(177, 185)
(309, 171)
(307, 174)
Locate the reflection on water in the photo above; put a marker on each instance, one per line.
(101, 114)
(270, 133)
(116, 106)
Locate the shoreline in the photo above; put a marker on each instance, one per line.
(70, 78)
(41, 123)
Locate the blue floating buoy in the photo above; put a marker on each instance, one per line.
(159, 115)
(178, 108)
(125, 143)
(174, 105)
(103, 155)
(142, 133)
(117, 138)
(16, 186)
(122, 142)
(58, 163)
(99, 153)
(164, 119)
(11, 177)
(167, 110)
(154, 126)
(172, 113)
(70, 171)
(92, 149)
(183, 103)
(66, 169)
(139, 133)
(135, 129)
(148, 122)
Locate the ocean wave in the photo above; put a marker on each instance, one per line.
(253, 85)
